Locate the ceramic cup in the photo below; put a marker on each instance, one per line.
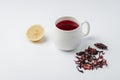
(68, 32)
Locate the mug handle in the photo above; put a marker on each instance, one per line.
(88, 28)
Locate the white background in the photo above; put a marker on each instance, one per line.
(21, 59)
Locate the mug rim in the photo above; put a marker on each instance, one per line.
(67, 18)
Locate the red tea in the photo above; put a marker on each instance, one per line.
(67, 25)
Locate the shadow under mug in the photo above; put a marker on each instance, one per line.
(68, 32)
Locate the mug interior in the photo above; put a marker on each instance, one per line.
(67, 23)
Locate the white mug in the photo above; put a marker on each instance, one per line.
(69, 39)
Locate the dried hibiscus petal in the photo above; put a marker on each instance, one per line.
(87, 66)
(93, 51)
(80, 53)
(100, 46)
(78, 68)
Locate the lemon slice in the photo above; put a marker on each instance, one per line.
(35, 33)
